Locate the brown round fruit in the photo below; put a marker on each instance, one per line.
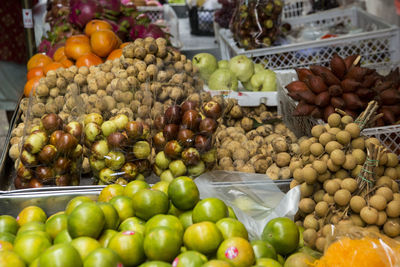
(212, 109)
(207, 126)
(173, 115)
(191, 119)
(186, 137)
(51, 122)
(171, 131)
(173, 149)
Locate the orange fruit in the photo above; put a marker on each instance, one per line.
(86, 220)
(31, 246)
(173, 210)
(186, 219)
(155, 264)
(38, 60)
(75, 202)
(31, 214)
(32, 226)
(283, 234)
(161, 186)
(232, 228)
(5, 245)
(10, 259)
(88, 60)
(217, 263)
(62, 237)
(7, 237)
(133, 224)
(124, 44)
(266, 262)
(52, 66)
(55, 224)
(117, 53)
(102, 257)
(110, 191)
(231, 213)
(60, 255)
(110, 214)
(106, 236)
(263, 249)
(66, 63)
(189, 258)
(8, 224)
(147, 203)
(203, 237)
(124, 207)
(59, 54)
(76, 46)
(84, 245)
(35, 72)
(237, 251)
(103, 42)
(162, 243)
(129, 246)
(168, 221)
(209, 209)
(30, 86)
(95, 25)
(183, 193)
(133, 187)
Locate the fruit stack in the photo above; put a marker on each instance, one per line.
(346, 86)
(255, 23)
(185, 139)
(119, 149)
(51, 155)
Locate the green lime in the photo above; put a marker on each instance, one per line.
(102, 257)
(133, 187)
(186, 219)
(7, 237)
(110, 191)
(124, 207)
(10, 259)
(75, 202)
(162, 243)
(84, 245)
(133, 224)
(8, 224)
(63, 237)
(283, 234)
(155, 264)
(31, 214)
(31, 246)
(106, 236)
(129, 246)
(31, 226)
(161, 186)
(230, 227)
(267, 262)
(183, 193)
(111, 215)
(190, 259)
(169, 221)
(60, 255)
(209, 209)
(263, 249)
(173, 210)
(203, 237)
(86, 220)
(147, 203)
(237, 251)
(5, 245)
(231, 213)
(55, 224)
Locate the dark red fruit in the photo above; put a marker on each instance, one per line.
(55, 136)
(74, 128)
(47, 154)
(170, 131)
(51, 122)
(44, 174)
(159, 140)
(66, 143)
(117, 140)
(190, 156)
(34, 183)
(187, 105)
(134, 129)
(191, 119)
(173, 115)
(207, 126)
(173, 149)
(202, 143)
(159, 122)
(212, 109)
(186, 137)
(62, 165)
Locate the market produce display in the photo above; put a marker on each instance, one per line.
(138, 225)
(345, 85)
(345, 178)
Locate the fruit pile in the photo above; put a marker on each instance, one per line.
(137, 225)
(346, 86)
(51, 154)
(225, 75)
(119, 149)
(332, 165)
(185, 139)
(255, 24)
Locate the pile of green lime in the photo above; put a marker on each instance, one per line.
(138, 225)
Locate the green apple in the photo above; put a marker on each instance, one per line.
(223, 64)
(242, 67)
(223, 79)
(258, 67)
(264, 80)
(206, 63)
(247, 85)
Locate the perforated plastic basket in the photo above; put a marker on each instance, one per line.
(201, 21)
(388, 135)
(296, 8)
(375, 46)
(154, 12)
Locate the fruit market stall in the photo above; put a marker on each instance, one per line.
(125, 149)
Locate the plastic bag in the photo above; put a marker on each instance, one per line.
(355, 246)
(255, 198)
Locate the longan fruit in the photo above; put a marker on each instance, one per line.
(353, 129)
(357, 203)
(373, 140)
(386, 192)
(391, 172)
(349, 184)
(338, 157)
(392, 160)
(298, 175)
(317, 130)
(346, 119)
(305, 147)
(358, 143)
(383, 159)
(334, 131)
(328, 199)
(331, 146)
(293, 184)
(393, 209)
(310, 222)
(396, 196)
(307, 205)
(335, 219)
(343, 137)
(324, 158)
(322, 208)
(327, 230)
(378, 202)
(350, 162)
(356, 219)
(395, 187)
(319, 166)
(331, 187)
(319, 195)
(382, 218)
(373, 228)
(342, 197)
(309, 175)
(369, 215)
(325, 138)
(306, 190)
(295, 164)
(323, 177)
(332, 166)
(359, 156)
(341, 174)
(320, 244)
(310, 236)
(379, 171)
(384, 181)
(392, 227)
(316, 149)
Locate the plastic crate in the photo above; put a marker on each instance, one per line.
(201, 21)
(376, 46)
(388, 135)
(154, 12)
(296, 8)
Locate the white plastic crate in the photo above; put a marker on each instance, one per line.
(379, 45)
(296, 8)
(248, 98)
(154, 12)
(388, 135)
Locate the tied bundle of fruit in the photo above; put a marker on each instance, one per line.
(225, 75)
(346, 86)
(331, 168)
(185, 141)
(255, 23)
(51, 154)
(138, 225)
(119, 149)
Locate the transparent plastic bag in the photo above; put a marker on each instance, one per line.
(255, 198)
(355, 246)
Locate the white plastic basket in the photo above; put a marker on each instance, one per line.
(388, 135)
(375, 46)
(296, 8)
(154, 12)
